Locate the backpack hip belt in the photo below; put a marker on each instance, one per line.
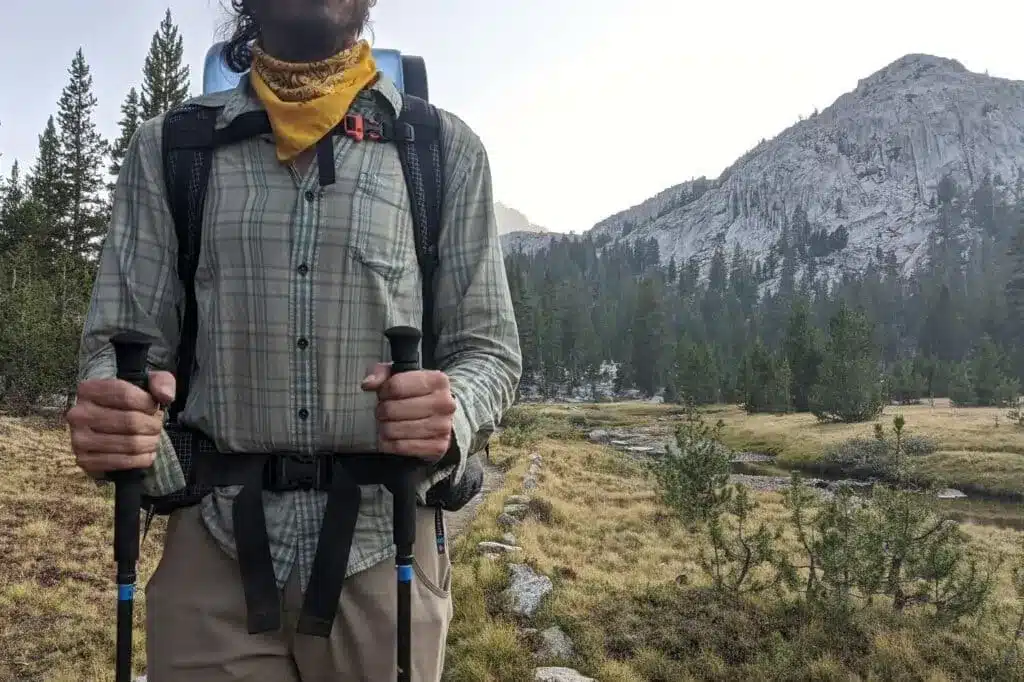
(339, 475)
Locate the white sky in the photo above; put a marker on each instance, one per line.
(587, 107)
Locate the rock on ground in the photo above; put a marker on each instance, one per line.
(526, 590)
(555, 644)
(950, 494)
(559, 675)
(498, 547)
(516, 510)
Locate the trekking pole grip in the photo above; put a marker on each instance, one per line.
(130, 351)
(405, 357)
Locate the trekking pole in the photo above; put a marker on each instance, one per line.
(404, 358)
(130, 349)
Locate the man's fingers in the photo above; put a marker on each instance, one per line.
(98, 463)
(430, 428)
(162, 386)
(414, 384)
(87, 440)
(116, 394)
(433, 405)
(376, 377)
(93, 417)
(429, 449)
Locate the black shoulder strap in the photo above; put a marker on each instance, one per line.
(188, 142)
(424, 177)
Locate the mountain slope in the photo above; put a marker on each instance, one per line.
(860, 176)
(510, 220)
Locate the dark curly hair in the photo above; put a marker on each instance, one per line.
(237, 52)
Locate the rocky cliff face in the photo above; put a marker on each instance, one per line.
(510, 220)
(860, 175)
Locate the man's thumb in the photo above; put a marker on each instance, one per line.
(162, 386)
(376, 377)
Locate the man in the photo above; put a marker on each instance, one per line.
(296, 282)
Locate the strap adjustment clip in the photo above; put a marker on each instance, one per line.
(354, 126)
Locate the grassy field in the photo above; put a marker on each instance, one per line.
(57, 597)
(631, 595)
(980, 451)
(628, 588)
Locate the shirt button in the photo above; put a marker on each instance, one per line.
(310, 195)
(303, 269)
(303, 414)
(303, 344)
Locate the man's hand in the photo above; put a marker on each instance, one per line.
(116, 425)
(414, 412)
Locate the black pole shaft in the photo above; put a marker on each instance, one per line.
(131, 350)
(404, 358)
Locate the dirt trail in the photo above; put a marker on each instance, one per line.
(493, 479)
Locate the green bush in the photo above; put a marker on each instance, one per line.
(918, 446)
(518, 436)
(692, 474)
(858, 458)
(518, 416)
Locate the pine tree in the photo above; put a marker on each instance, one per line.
(989, 382)
(1014, 289)
(647, 333)
(803, 354)
(961, 389)
(906, 384)
(849, 387)
(48, 187)
(20, 218)
(129, 123)
(698, 377)
(12, 194)
(766, 380)
(83, 153)
(165, 79)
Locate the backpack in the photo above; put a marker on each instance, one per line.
(189, 142)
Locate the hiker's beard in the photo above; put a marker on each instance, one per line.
(310, 30)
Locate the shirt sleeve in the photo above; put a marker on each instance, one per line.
(136, 286)
(477, 335)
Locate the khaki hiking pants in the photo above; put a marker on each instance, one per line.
(195, 618)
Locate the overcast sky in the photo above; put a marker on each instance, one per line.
(587, 107)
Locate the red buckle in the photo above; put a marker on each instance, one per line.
(353, 126)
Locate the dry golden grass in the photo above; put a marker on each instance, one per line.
(57, 593)
(615, 556)
(800, 437)
(598, 531)
(980, 451)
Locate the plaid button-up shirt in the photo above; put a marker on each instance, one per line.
(282, 260)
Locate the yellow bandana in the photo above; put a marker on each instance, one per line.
(306, 101)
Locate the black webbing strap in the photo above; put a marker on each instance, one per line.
(262, 601)
(421, 164)
(187, 142)
(339, 475)
(331, 559)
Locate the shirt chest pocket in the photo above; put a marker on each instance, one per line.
(381, 235)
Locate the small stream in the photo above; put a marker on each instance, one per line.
(759, 471)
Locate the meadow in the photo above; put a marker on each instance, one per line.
(629, 589)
